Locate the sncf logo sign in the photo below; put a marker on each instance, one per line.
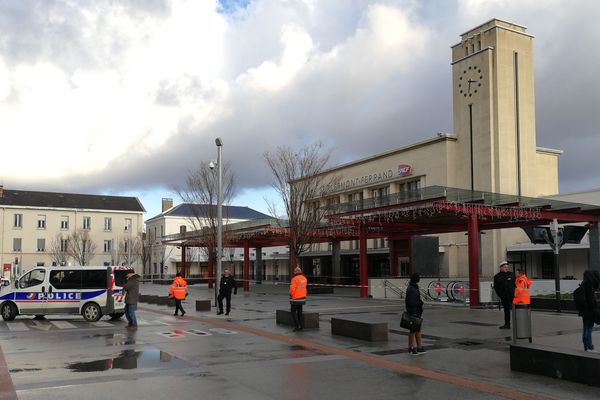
(404, 170)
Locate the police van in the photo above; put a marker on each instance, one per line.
(89, 291)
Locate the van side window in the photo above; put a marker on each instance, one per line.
(69, 279)
(95, 279)
(33, 278)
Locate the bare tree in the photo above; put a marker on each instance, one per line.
(80, 247)
(59, 249)
(128, 250)
(146, 251)
(299, 180)
(201, 189)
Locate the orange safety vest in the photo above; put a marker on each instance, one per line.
(298, 287)
(178, 289)
(522, 285)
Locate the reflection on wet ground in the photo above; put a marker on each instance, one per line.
(130, 359)
(115, 339)
(14, 370)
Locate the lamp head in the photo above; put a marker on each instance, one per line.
(218, 142)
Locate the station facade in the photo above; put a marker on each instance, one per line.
(492, 149)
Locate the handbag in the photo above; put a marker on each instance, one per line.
(597, 316)
(410, 322)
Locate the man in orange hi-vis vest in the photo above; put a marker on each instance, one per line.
(178, 291)
(298, 297)
(522, 285)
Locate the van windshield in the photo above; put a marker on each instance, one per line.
(120, 276)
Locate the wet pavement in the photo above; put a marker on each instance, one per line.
(248, 356)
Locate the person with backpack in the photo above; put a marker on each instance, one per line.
(585, 300)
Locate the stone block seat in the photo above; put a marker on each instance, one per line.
(370, 331)
(320, 290)
(567, 364)
(203, 305)
(284, 317)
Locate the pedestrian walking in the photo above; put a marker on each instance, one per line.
(132, 295)
(226, 286)
(504, 286)
(298, 298)
(588, 313)
(522, 285)
(178, 291)
(414, 308)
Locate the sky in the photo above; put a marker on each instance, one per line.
(126, 97)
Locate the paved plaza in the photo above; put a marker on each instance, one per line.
(248, 356)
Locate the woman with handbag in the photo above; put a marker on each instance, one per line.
(590, 285)
(414, 308)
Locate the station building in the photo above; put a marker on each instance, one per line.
(492, 149)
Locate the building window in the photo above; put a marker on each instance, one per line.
(409, 186)
(107, 246)
(333, 201)
(87, 222)
(127, 224)
(182, 228)
(162, 231)
(41, 222)
(18, 221)
(16, 244)
(64, 222)
(126, 246)
(108, 224)
(64, 244)
(378, 195)
(357, 196)
(41, 245)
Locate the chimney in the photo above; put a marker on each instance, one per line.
(166, 204)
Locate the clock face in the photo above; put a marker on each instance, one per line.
(469, 81)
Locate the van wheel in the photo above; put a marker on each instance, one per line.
(9, 311)
(116, 315)
(91, 312)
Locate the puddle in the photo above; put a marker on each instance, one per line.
(15, 370)
(130, 359)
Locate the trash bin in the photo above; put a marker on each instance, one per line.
(521, 320)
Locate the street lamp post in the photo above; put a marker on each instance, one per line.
(219, 144)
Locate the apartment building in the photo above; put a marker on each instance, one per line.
(41, 228)
(187, 217)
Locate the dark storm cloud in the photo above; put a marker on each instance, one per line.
(351, 92)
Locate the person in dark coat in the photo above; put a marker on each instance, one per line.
(414, 307)
(590, 284)
(132, 295)
(504, 286)
(226, 286)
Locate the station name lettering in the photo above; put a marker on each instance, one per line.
(346, 184)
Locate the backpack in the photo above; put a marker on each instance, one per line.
(579, 297)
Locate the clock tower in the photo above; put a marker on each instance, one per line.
(494, 124)
(494, 111)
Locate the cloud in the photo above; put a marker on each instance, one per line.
(124, 96)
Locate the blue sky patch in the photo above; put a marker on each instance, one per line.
(229, 6)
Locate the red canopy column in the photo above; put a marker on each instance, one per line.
(393, 257)
(183, 260)
(473, 234)
(246, 266)
(362, 263)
